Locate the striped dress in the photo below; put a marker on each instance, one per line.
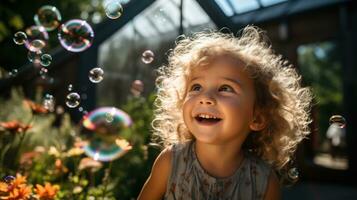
(188, 180)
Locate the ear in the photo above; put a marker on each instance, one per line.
(258, 123)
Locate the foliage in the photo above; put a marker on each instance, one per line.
(42, 156)
(321, 68)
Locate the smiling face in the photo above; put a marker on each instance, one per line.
(219, 105)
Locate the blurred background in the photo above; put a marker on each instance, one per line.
(108, 57)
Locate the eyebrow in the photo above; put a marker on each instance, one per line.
(238, 82)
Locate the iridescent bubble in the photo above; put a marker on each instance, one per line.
(137, 87)
(8, 179)
(37, 38)
(45, 60)
(338, 120)
(96, 75)
(97, 121)
(147, 57)
(104, 151)
(20, 38)
(34, 56)
(106, 141)
(113, 9)
(76, 35)
(48, 102)
(48, 17)
(73, 99)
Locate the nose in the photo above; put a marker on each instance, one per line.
(207, 99)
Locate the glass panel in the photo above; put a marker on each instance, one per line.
(241, 6)
(270, 2)
(227, 9)
(156, 29)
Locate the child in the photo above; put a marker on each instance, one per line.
(229, 112)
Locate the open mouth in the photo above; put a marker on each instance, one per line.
(206, 119)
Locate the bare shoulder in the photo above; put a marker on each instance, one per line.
(273, 189)
(155, 185)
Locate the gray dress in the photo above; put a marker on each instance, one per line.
(188, 180)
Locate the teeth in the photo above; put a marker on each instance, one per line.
(207, 116)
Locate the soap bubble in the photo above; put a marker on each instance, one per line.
(34, 56)
(105, 151)
(113, 9)
(70, 87)
(45, 60)
(48, 102)
(13, 73)
(76, 35)
(20, 38)
(106, 137)
(338, 120)
(147, 56)
(48, 17)
(37, 38)
(96, 75)
(43, 72)
(73, 99)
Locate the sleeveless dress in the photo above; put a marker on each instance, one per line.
(188, 180)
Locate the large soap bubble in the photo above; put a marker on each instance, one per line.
(76, 35)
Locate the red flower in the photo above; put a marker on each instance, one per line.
(36, 108)
(15, 126)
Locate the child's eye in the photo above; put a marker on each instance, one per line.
(195, 87)
(226, 88)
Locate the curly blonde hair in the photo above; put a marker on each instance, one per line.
(279, 95)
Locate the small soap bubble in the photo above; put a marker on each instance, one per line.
(338, 120)
(13, 73)
(96, 75)
(70, 87)
(76, 35)
(48, 102)
(43, 72)
(137, 87)
(147, 56)
(113, 9)
(293, 174)
(20, 38)
(37, 38)
(80, 109)
(73, 99)
(34, 56)
(48, 17)
(45, 60)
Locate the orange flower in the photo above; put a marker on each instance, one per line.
(60, 168)
(19, 181)
(46, 192)
(20, 193)
(15, 126)
(16, 189)
(36, 108)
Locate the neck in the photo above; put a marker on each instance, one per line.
(219, 160)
